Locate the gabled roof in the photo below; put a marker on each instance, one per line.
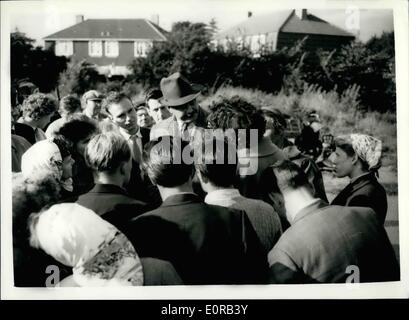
(313, 25)
(257, 25)
(118, 29)
(283, 21)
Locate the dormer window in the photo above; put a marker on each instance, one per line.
(64, 48)
(95, 48)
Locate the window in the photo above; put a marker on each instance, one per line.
(95, 48)
(141, 48)
(111, 48)
(64, 48)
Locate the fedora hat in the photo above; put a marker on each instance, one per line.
(177, 91)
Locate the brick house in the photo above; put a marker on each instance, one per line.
(111, 44)
(283, 29)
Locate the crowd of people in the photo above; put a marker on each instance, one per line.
(118, 193)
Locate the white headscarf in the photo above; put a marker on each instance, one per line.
(99, 254)
(368, 148)
(44, 156)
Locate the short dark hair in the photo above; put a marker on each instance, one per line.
(236, 113)
(39, 105)
(217, 162)
(160, 163)
(106, 151)
(153, 93)
(70, 104)
(63, 145)
(287, 175)
(77, 128)
(113, 97)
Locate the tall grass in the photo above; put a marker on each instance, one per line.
(340, 113)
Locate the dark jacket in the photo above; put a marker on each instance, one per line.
(140, 187)
(113, 204)
(326, 244)
(25, 131)
(206, 244)
(364, 192)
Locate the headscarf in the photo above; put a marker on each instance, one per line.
(45, 156)
(99, 254)
(367, 148)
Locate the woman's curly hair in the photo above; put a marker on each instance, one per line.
(39, 105)
(31, 195)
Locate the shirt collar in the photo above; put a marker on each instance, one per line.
(222, 194)
(128, 136)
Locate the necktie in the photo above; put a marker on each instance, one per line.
(136, 148)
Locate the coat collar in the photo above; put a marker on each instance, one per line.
(108, 188)
(360, 182)
(311, 208)
(180, 199)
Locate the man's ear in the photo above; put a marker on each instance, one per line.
(355, 158)
(123, 167)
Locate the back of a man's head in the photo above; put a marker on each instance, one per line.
(69, 105)
(217, 162)
(106, 152)
(168, 162)
(286, 175)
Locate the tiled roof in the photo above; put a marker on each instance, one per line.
(313, 25)
(283, 21)
(257, 25)
(112, 29)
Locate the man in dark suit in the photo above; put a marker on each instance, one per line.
(327, 244)
(207, 244)
(109, 157)
(122, 113)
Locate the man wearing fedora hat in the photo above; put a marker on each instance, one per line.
(180, 97)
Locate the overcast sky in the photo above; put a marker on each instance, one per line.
(39, 19)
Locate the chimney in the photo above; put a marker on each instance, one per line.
(249, 14)
(301, 13)
(155, 19)
(79, 18)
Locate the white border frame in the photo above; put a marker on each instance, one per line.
(323, 291)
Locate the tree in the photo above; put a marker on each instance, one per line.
(42, 67)
(78, 78)
(186, 50)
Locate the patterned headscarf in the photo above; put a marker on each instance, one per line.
(44, 156)
(99, 254)
(367, 148)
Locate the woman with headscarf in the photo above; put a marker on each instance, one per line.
(358, 156)
(103, 257)
(52, 156)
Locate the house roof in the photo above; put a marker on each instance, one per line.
(257, 25)
(283, 21)
(118, 29)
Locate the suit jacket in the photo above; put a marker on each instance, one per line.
(24, 131)
(206, 244)
(170, 127)
(140, 186)
(364, 192)
(113, 204)
(325, 242)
